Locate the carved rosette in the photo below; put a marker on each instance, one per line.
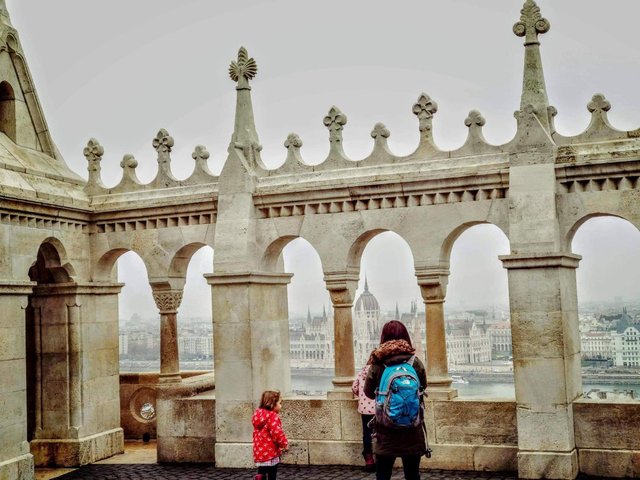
(93, 152)
(168, 301)
(335, 121)
(424, 109)
(475, 119)
(531, 23)
(128, 162)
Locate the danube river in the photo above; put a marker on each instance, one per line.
(318, 381)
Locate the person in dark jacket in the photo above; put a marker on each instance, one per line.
(389, 443)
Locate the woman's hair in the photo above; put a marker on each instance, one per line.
(269, 399)
(395, 330)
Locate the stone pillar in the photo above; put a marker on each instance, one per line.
(16, 460)
(342, 286)
(168, 302)
(75, 382)
(251, 354)
(433, 287)
(546, 361)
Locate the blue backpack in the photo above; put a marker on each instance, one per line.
(398, 397)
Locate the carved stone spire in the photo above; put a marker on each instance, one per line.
(4, 13)
(534, 91)
(244, 135)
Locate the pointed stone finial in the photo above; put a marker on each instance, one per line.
(366, 283)
(245, 136)
(4, 13)
(243, 69)
(475, 119)
(335, 121)
(424, 109)
(93, 152)
(128, 162)
(531, 23)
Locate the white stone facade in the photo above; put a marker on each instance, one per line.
(627, 347)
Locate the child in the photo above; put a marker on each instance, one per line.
(366, 408)
(269, 440)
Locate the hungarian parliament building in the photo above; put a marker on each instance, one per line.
(472, 337)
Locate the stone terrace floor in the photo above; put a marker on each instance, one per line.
(285, 472)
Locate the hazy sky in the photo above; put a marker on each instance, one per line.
(120, 70)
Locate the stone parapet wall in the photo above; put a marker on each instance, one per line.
(607, 438)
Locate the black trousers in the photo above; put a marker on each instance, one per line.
(269, 472)
(410, 465)
(366, 434)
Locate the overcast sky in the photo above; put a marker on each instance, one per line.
(121, 70)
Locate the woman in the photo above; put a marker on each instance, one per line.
(389, 443)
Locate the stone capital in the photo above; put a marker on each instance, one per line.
(433, 283)
(167, 301)
(540, 260)
(342, 287)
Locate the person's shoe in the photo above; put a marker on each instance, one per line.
(259, 476)
(369, 463)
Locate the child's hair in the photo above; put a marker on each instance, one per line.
(269, 399)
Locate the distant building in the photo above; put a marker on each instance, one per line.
(367, 325)
(123, 347)
(597, 345)
(196, 346)
(627, 347)
(500, 338)
(311, 344)
(467, 342)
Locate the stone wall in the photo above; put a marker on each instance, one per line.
(607, 438)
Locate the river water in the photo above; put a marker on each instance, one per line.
(319, 382)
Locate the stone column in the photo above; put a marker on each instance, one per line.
(76, 379)
(546, 361)
(251, 354)
(16, 460)
(433, 287)
(168, 302)
(342, 286)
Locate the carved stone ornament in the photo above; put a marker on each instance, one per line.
(244, 67)
(168, 301)
(128, 161)
(380, 130)
(531, 23)
(93, 152)
(293, 141)
(335, 121)
(599, 103)
(475, 118)
(163, 141)
(424, 109)
(200, 153)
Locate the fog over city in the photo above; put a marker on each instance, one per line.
(121, 70)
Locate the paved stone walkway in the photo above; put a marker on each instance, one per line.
(285, 472)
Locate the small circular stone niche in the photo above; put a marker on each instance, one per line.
(143, 405)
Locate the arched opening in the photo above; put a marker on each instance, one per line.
(7, 110)
(477, 318)
(608, 314)
(47, 357)
(387, 290)
(311, 352)
(195, 325)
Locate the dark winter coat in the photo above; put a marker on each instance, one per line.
(388, 441)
